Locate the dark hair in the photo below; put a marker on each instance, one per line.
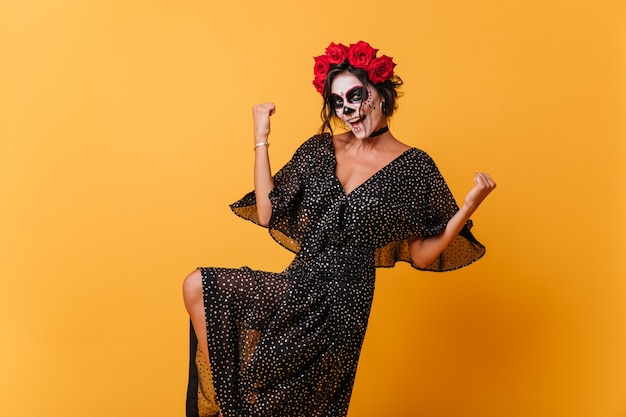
(388, 90)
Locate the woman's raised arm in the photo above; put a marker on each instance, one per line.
(263, 182)
(424, 251)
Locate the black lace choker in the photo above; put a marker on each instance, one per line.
(380, 131)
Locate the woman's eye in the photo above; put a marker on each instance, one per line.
(336, 102)
(355, 95)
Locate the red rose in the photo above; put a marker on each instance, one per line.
(322, 65)
(360, 54)
(336, 53)
(380, 69)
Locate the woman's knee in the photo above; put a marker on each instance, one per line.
(192, 287)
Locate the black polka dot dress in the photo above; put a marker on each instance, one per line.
(287, 344)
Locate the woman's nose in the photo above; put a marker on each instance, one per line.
(347, 110)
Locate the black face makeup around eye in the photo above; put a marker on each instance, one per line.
(356, 95)
(336, 101)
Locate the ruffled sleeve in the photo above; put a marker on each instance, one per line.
(289, 220)
(427, 206)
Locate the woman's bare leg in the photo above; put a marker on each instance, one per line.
(194, 303)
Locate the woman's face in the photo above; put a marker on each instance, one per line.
(357, 106)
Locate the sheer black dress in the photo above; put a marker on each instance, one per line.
(287, 344)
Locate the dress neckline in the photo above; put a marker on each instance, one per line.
(371, 177)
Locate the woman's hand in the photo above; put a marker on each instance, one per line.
(483, 185)
(261, 114)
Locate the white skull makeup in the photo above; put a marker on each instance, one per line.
(355, 97)
(355, 105)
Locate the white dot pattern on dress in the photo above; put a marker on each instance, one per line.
(287, 344)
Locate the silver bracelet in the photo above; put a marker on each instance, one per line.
(261, 144)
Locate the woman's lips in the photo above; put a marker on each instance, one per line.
(354, 123)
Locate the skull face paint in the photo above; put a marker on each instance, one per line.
(354, 96)
(356, 105)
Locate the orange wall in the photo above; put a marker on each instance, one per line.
(125, 132)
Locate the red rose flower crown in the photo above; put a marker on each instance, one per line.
(359, 55)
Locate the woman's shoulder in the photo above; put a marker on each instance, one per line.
(316, 144)
(312, 151)
(420, 164)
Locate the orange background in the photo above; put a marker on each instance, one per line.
(125, 130)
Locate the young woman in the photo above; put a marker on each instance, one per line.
(287, 344)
